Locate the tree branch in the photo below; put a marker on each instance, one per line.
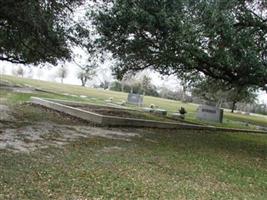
(13, 60)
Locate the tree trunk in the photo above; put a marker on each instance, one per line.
(219, 103)
(184, 93)
(83, 82)
(122, 87)
(233, 107)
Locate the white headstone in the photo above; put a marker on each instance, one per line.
(210, 113)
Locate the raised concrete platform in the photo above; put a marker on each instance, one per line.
(82, 103)
(105, 120)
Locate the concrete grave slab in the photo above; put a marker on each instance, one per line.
(105, 120)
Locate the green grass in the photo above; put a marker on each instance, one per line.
(257, 120)
(183, 165)
(169, 105)
(230, 120)
(157, 164)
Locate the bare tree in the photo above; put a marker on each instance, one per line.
(129, 79)
(39, 73)
(146, 83)
(19, 71)
(62, 73)
(30, 72)
(87, 72)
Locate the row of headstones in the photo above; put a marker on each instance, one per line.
(204, 112)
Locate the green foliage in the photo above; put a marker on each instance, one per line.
(143, 86)
(218, 92)
(35, 31)
(146, 83)
(182, 111)
(224, 40)
(115, 86)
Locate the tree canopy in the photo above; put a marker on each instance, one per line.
(218, 92)
(225, 40)
(35, 31)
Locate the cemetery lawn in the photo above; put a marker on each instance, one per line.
(98, 96)
(46, 155)
(151, 164)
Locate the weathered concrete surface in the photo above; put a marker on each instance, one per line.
(76, 112)
(130, 122)
(73, 103)
(109, 120)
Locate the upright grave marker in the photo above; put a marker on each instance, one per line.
(135, 99)
(210, 113)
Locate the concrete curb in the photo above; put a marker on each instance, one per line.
(105, 120)
(79, 103)
(76, 112)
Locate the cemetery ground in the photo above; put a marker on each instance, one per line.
(98, 96)
(48, 155)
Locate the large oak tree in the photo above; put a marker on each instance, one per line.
(222, 39)
(218, 92)
(36, 31)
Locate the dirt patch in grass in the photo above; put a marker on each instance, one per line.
(5, 113)
(25, 128)
(44, 134)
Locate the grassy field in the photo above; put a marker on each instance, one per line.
(99, 96)
(149, 164)
(152, 165)
(187, 165)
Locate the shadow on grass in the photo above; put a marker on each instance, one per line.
(199, 141)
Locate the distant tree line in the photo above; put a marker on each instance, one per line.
(204, 92)
(134, 85)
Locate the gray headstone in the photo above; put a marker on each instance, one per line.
(136, 99)
(160, 112)
(210, 113)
